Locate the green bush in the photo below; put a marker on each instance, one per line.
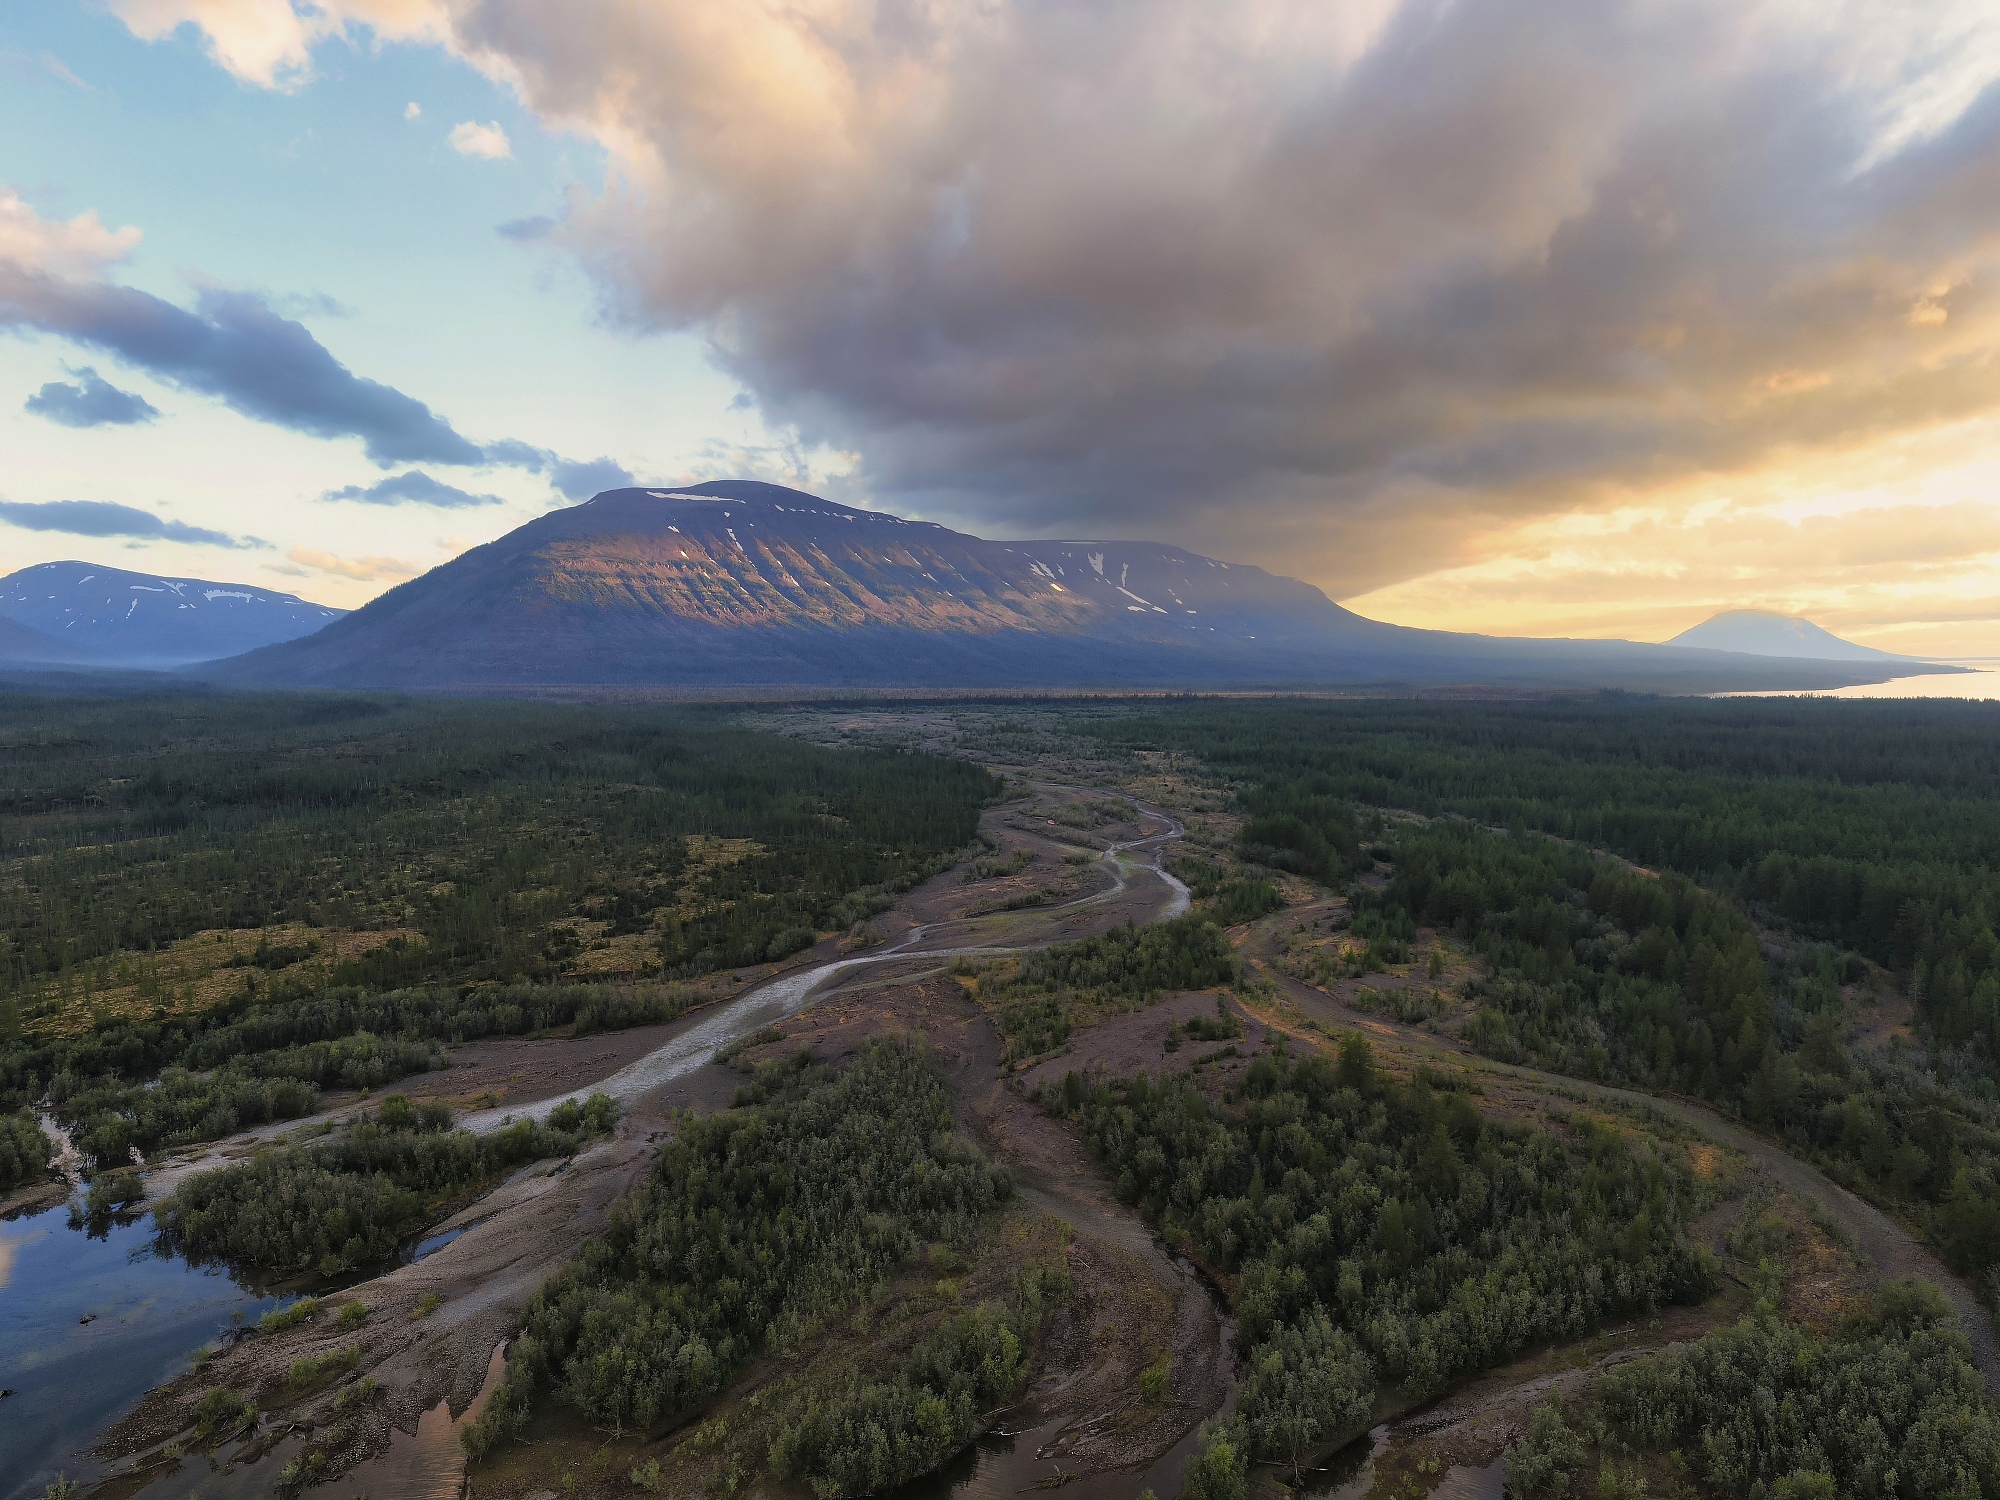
(25, 1150)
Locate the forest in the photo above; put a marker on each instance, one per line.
(1793, 843)
(350, 1198)
(252, 899)
(756, 1225)
(1380, 1233)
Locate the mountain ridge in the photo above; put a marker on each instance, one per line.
(106, 616)
(743, 583)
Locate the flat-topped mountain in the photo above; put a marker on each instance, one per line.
(109, 617)
(1763, 632)
(739, 583)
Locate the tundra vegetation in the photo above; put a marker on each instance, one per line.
(215, 908)
(1041, 999)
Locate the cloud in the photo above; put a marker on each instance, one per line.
(270, 42)
(361, 569)
(232, 345)
(488, 141)
(1328, 286)
(91, 402)
(579, 479)
(413, 111)
(106, 518)
(413, 486)
(573, 478)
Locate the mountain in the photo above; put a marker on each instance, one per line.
(19, 644)
(108, 617)
(1763, 632)
(736, 583)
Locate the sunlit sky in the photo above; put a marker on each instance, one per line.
(1583, 317)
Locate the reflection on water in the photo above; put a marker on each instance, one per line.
(1982, 682)
(145, 1313)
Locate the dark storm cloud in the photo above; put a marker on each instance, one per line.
(91, 402)
(573, 478)
(105, 518)
(233, 347)
(412, 487)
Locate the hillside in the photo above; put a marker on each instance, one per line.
(740, 583)
(109, 617)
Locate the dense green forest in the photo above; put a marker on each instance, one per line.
(1856, 830)
(1379, 1232)
(350, 1198)
(239, 888)
(1887, 1406)
(754, 1225)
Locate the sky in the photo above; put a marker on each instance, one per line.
(1578, 317)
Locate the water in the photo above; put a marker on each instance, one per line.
(71, 1379)
(1982, 682)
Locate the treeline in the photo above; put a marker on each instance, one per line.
(25, 1150)
(1867, 825)
(753, 1225)
(150, 1085)
(350, 1199)
(1064, 986)
(1382, 1232)
(1888, 1405)
(475, 829)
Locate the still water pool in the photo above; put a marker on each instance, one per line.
(89, 1322)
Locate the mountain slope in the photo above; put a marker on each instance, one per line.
(1763, 632)
(736, 583)
(20, 644)
(110, 617)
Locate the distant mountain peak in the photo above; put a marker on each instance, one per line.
(112, 617)
(1764, 632)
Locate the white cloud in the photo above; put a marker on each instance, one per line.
(469, 138)
(80, 247)
(361, 569)
(413, 111)
(270, 42)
